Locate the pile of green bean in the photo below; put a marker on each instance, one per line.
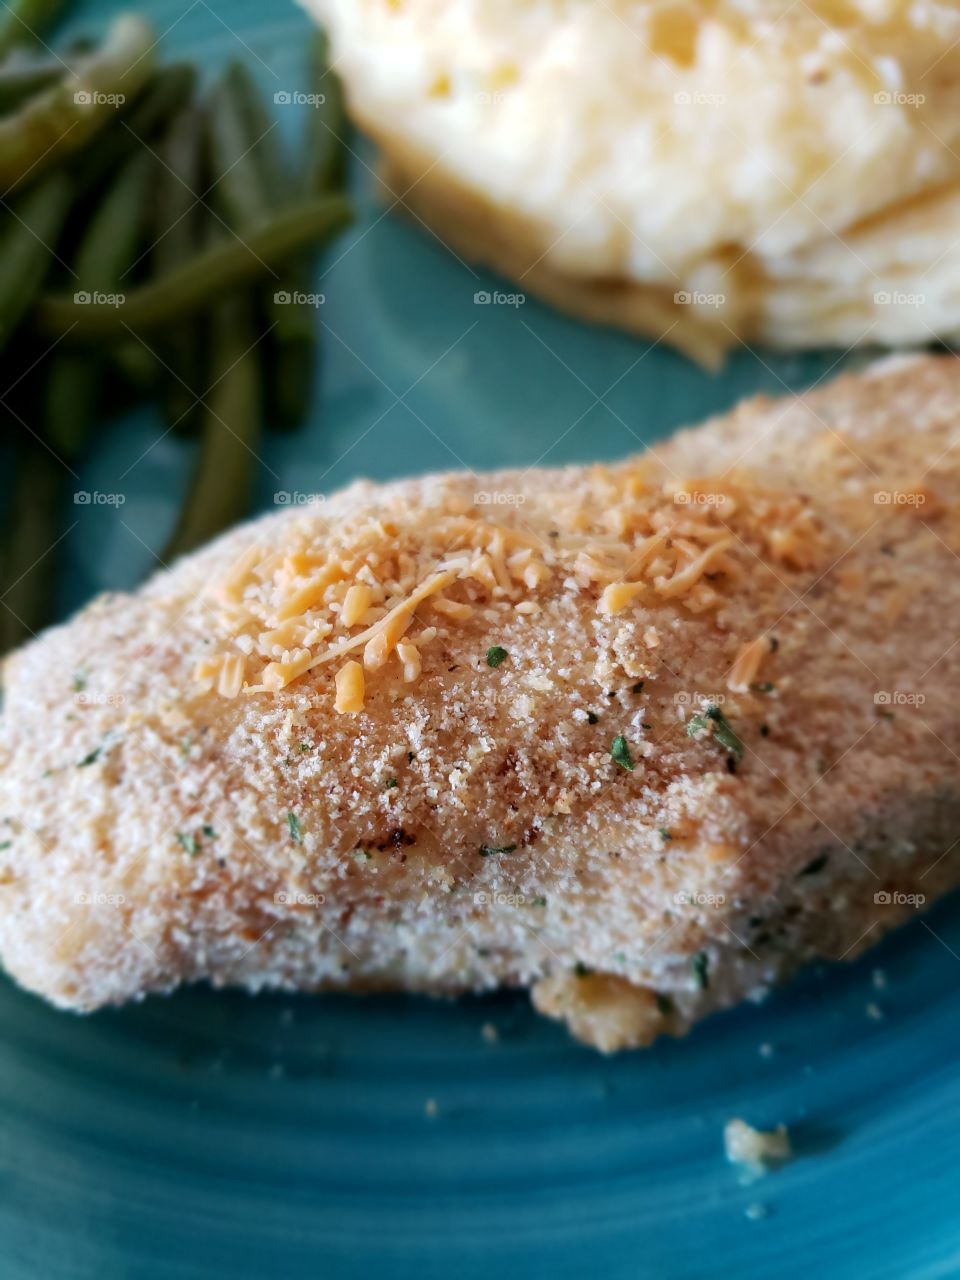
(153, 241)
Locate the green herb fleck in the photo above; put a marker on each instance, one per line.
(389, 784)
(208, 831)
(885, 715)
(538, 901)
(721, 729)
(664, 1005)
(5, 844)
(487, 850)
(296, 834)
(816, 865)
(91, 758)
(362, 855)
(701, 963)
(592, 718)
(185, 744)
(582, 970)
(79, 682)
(621, 752)
(665, 833)
(305, 746)
(188, 842)
(496, 655)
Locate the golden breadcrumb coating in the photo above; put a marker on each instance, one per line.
(641, 737)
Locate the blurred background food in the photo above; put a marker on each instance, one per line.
(156, 243)
(715, 174)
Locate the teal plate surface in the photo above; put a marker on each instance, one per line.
(213, 1134)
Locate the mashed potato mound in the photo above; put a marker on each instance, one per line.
(706, 172)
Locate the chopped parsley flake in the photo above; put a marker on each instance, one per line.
(538, 901)
(79, 682)
(389, 784)
(305, 746)
(362, 855)
(496, 655)
(5, 844)
(188, 842)
(722, 731)
(91, 758)
(665, 833)
(701, 963)
(296, 834)
(621, 752)
(209, 832)
(487, 850)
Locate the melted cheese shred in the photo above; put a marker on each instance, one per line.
(619, 537)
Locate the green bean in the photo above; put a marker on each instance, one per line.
(63, 118)
(254, 178)
(326, 130)
(239, 189)
(22, 79)
(188, 288)
(222, 483)
(166, 94)
(25, 21)
(177, 230)
(108, 246)
(27, 246)
(33, 531)
(261, 127)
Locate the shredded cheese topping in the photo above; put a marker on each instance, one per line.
(354, 587)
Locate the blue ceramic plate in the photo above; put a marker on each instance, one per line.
(220, 1135)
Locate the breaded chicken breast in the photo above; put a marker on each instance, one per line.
(749, 170)
(641, 737)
